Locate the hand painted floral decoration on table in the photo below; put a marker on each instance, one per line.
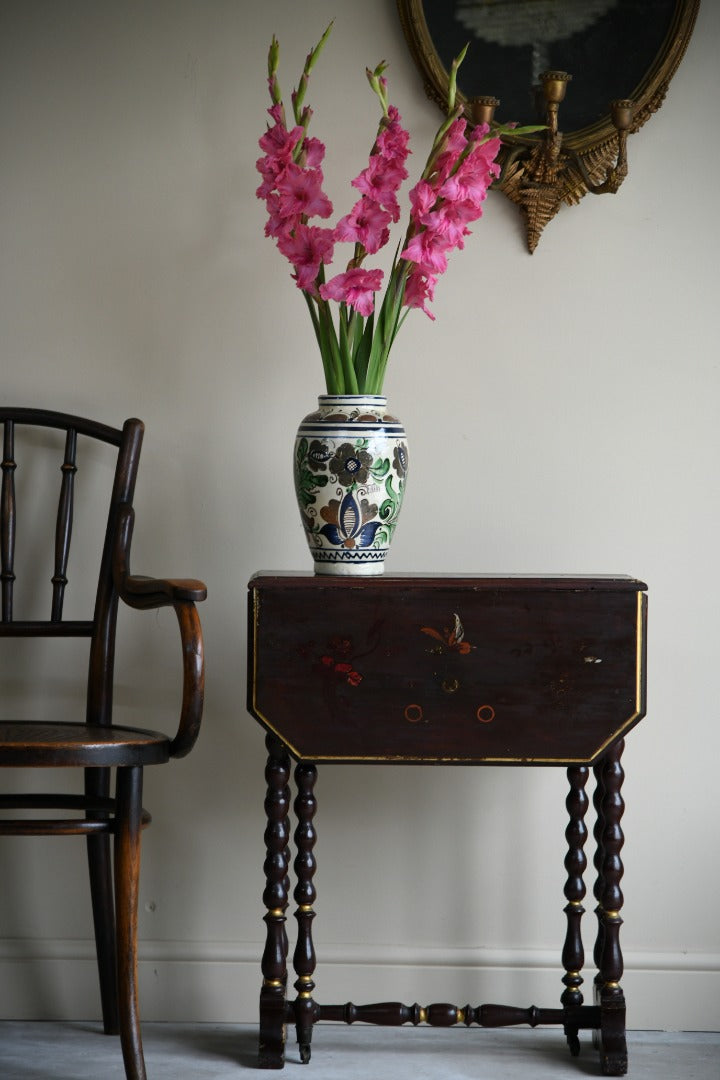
(355, 342)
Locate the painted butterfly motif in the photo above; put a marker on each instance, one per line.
(450, 638)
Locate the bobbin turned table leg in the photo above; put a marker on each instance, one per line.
(275, 898)
(305, 894)
(573, 955)
(608, 955)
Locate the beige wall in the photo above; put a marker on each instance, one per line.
(579, 387)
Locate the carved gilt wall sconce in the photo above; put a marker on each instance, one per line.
(517, 50)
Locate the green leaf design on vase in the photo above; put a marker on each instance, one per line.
(389, 510)
(307, 481)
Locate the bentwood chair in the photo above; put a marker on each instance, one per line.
(92, 742)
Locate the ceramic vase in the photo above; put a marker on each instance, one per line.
(350, 468)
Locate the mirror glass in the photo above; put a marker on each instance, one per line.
(606, 45)
(593, 53)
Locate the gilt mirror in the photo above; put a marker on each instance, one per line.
(591, 71)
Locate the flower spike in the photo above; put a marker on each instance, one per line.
(379, 84)
(273, 84)
(452, 81)
(355, 338)
(298, 96)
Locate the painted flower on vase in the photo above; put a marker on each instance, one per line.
(318, 455)
(400, 460)
(350, 522)
(351, 465)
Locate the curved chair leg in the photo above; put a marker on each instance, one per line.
(97, 782)
(127, 874)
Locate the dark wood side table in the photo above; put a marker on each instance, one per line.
(464, 670)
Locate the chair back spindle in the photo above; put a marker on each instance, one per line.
(63, 529)
(99, 625)
(7, 521)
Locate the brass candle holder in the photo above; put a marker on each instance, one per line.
(540, 174)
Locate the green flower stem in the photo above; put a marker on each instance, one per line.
(387, 325)
(322, 344)
(351, 383)
(364, 347)
(336, 383)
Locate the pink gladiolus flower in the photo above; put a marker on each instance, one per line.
(449, 223)
(427, 249)
(355, 287)
(453, 146)
(277, 224)
(392, 140)
(270, 169)
(278, 142)
(301, 193)
(452, 218)
(419, 287)
(366, 224)
(422, 199)
(314, 152)
(379, 181)
(486, 153)
(307, 248)
(466, 186)
(472, 179)
(481, 130)
(455, 138)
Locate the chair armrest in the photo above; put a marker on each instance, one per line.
(147, 593)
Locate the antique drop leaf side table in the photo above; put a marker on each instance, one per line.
(436, 670)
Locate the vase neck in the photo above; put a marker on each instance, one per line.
(353, 400)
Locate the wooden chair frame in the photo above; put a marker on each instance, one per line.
(96, 745)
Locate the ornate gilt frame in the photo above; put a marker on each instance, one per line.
(539, 177)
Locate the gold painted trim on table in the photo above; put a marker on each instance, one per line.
(401, 759)
(639, 672)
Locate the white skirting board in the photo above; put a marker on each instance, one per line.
(219, 982)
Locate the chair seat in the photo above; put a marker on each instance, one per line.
(36, 743)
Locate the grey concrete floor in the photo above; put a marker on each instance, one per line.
(59, 1051)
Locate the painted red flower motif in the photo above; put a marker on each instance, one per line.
(343, 668)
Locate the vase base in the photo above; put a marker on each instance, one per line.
(359, 567)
